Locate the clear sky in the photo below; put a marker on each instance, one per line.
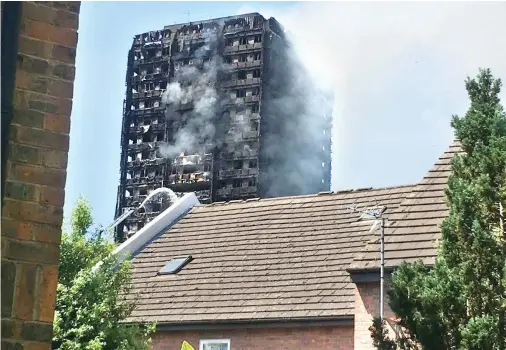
(397, 69)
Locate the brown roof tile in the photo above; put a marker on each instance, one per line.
(277, 258)
(414, 227)
(285, 258)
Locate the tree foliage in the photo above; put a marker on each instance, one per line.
(91, 305)
(379, 335)
(460, 302)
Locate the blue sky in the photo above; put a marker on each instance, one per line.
(397, 70)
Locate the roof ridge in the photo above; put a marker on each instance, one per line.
(323, 193)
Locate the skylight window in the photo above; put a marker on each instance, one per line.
(175, 265)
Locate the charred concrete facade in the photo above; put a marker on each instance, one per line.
(222, 108)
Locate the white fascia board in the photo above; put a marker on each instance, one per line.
(165, 219)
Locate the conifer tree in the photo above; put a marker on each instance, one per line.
(460, 302)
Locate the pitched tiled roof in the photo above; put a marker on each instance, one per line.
(414, 228)
(268, 259)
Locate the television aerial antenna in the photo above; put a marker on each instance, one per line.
(376, 213)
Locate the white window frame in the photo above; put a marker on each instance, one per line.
(211, 341)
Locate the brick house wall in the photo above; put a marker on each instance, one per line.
(367, 305)
(297, 338)
(35, 171)
(336, 338)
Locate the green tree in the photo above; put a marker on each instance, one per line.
(460, 302)
(379, 335)
(91, 305)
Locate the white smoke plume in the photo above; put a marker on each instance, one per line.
(299, 165)
(292, 145)
(196, 87)
(202, 94)
(397, 70)
(173, 94)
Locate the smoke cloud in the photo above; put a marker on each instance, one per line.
(198, 124)
(195, 87)
(201, 123)
(299, 165)
(397, 71)
(297, 111)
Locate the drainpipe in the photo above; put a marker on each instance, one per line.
(382, 269)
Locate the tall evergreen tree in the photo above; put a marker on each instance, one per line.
(460, 302)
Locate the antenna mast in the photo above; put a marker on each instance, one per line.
(377, 214)
(382, 268)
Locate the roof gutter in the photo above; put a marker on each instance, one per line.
(369, 275)
(338, 321)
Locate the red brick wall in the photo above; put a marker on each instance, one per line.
(367, 305)
(321, 338)
(32, 211)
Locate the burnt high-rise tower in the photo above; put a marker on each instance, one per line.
(223, 108)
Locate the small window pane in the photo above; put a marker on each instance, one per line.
(215, 345)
